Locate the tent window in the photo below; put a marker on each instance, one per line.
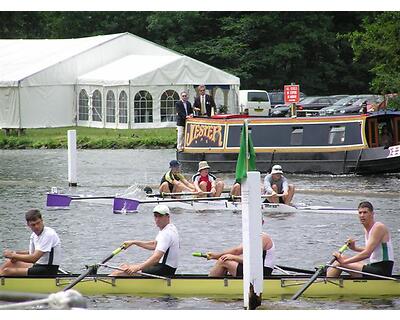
(143, 107)
(97, 114)
(110, 107)
(123, 107)
(168, 100)
(83, 105)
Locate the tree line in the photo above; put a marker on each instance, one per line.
(325, 52)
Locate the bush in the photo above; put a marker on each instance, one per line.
(394, 103)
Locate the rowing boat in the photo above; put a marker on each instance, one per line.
(276, 286)
(128, 205)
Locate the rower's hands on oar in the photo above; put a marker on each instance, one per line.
(128, 243)
(132, 269)
(338, 257)
(338, 254)
(351, 243)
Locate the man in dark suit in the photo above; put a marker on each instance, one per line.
(183, 109)
(204, 104)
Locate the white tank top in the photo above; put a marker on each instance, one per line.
(382, 252)
(269, 260)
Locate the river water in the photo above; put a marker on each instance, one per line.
(89, 232)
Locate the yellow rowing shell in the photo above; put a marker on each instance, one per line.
(202, 286)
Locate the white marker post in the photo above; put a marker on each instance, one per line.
(252, 242)
(72, 180)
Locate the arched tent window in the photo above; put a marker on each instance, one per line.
(83, 111)
(143, 104)
(219, 99)
(110, 107)
(123, 107)
(168, 100)
(97, 112)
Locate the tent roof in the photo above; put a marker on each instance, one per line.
(157, 70)
(20, 58)
(127, 59)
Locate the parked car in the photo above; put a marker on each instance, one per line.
(337, 97)
(347, 101)
(280, 111)
(315, 103)
(277, 97)
(358, 106)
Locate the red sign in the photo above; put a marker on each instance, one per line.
(292, 93)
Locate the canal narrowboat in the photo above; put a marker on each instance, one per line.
(331, 145)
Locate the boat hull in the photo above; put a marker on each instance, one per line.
(363, 161)
(202, 286)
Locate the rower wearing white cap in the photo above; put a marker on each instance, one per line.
(204, 181)
(275, 184)
(164, 260)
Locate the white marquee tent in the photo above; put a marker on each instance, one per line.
(115, 81)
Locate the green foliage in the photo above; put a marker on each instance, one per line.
(91, 138)
(379, 43)
(265, 49)
(394, 103)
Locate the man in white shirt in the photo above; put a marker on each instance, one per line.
(43, 257)
(164, 260)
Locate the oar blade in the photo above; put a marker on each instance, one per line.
(124, 205)
(55, 200)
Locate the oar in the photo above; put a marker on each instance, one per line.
(277, 267)
(201, 255)
(318, 273)
(94, 267)
(172, 194)
(64, 200)
(140, 273)
(374, 275)
(292, 269)
(124, 205)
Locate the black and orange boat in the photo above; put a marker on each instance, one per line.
(332, 145)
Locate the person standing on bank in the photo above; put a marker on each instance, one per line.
(164, 260)
(44, 255)
(277, 188)
(378, 248)
(204, 104)
(183, 110)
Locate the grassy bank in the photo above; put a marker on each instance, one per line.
(90, 138)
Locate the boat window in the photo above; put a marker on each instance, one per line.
(337, 135)
(296, 139)
(257, 96)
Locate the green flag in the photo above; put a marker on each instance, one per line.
(246, 160)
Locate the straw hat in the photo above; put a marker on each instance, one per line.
(203, 165)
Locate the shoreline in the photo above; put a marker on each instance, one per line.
(90, 138)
